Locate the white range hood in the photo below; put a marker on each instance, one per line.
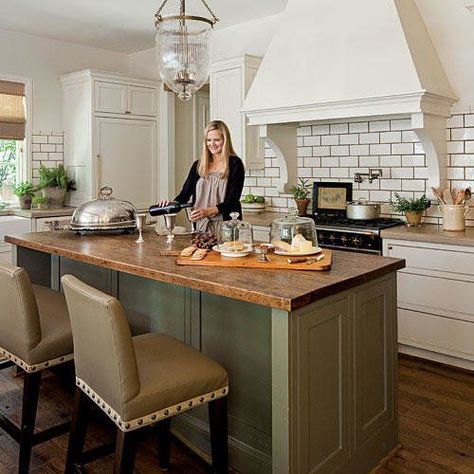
(343, 59)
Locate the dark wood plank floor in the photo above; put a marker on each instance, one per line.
(436, 426)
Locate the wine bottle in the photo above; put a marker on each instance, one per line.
(172, 208)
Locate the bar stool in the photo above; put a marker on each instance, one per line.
(35, 335)
(139, 382)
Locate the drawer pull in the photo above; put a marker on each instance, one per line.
(128, 112)
(390, 247)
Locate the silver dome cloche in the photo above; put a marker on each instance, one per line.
(104, 214)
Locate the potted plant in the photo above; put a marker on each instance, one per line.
(412, 208)
(300, 193)
(41, 202)
(24, 191)
(54, 183)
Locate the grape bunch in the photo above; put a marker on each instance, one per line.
(204, 241)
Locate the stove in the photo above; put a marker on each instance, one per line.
(338, 232)
(335, 230)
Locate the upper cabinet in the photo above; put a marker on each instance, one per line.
(111, 136)
(119, 98)
(230, 81)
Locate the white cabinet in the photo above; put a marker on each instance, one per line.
(435, 301)
(230, 81)
(11, 225)
(111, 136)
(43, 224)
(119, 98)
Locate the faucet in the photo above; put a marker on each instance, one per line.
(374, 173)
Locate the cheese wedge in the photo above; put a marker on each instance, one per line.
(300, 244)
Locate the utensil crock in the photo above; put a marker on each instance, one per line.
(454, 216)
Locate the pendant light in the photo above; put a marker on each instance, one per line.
(183, 49)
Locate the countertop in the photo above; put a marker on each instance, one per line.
(283, 289)
(38, 213)
(430, 233)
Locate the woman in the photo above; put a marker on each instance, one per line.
(214, 183)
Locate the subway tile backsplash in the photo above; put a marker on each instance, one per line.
(334, 152)
(47, 149)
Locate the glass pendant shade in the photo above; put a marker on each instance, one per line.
(183, 45)
(183, 49)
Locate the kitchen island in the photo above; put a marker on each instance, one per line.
(312, 356)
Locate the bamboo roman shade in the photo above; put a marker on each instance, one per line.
(12, 110)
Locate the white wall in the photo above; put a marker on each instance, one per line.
(252, 37)
(43, 60)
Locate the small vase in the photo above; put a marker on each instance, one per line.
(25, 202)
(302, 205)
(413, 218)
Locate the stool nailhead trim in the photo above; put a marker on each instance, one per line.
(152, 417)
(37, 367)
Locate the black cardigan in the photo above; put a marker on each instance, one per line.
(235, 184)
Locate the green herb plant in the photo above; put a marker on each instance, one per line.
(302, 189)
(55, 178)
(39, 200)
(403, 204)
(25, 188)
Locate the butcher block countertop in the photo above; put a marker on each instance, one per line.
(430, 233)
(287, 290)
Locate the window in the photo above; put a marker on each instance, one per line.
(12, 136)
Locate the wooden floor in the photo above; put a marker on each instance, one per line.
(436, 426)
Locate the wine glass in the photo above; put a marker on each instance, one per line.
(140, 220)
(170, 221)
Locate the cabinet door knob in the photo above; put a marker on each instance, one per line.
(98, 155)
(390, 247)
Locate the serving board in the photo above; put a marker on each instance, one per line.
(277, 262)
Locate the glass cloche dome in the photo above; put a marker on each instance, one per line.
(235, 235)
(294, 234)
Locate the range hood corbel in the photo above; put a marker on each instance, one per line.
(282, 140)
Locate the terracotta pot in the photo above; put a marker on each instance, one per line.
(25, 202)
(302, 205)
(413, 218)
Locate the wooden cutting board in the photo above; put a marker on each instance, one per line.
(277, 262)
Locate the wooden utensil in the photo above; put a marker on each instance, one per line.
(447, 197)
(438, 194)
(467, 194)
(459, 197)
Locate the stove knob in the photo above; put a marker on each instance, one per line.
(344, 239)
(356, 241)
(332, 238)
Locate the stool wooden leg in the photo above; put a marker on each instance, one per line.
(125, 450)
(80, 419)
(31, 389)
(219, 442)
(164, 444)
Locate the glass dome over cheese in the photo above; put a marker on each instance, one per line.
(234, 235)
(294, 234)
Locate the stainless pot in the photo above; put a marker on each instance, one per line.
(362, 210)
(104, 214)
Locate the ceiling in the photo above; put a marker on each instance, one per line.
(119, 25)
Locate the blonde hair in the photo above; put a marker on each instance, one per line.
(227, 149)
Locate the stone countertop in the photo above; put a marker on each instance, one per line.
(38, 213)
(287, 290)
(430, 233)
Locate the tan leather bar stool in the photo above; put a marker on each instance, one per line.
(35, 334)
(139, 382)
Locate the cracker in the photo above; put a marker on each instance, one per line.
(188, 251)
(199, 254)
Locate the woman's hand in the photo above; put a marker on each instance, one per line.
(164, 202)
(198, 214)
